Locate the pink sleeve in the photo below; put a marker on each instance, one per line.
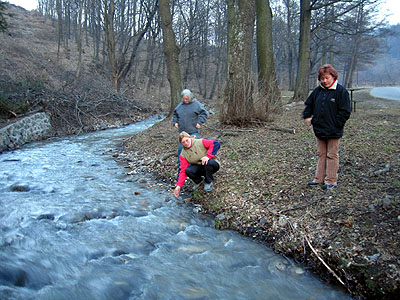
(212, 147)
(182, 173)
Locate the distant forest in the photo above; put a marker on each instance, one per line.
(242, 52)
(347, 34)
(383, 70)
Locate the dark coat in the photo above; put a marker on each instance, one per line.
(329, 109)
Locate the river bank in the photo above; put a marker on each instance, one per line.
(75, 226)
(349, 235)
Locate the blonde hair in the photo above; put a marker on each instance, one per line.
(185, 134)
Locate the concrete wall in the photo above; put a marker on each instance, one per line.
(28, 129)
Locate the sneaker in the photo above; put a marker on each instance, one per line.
(328, 186)
(208, 187)
(197, 185)
(313, 183)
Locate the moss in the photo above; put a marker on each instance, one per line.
(370, 283)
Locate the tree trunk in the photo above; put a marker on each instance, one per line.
(238, 96)
(303, 69)
(67, 37)
(171, 52)
(96, 30)
(267, 84)
(59, 27)
(109, 11)
(79, 40)
(290, 46)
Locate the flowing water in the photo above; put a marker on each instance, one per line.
(75, 226)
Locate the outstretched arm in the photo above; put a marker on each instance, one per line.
(181, 176)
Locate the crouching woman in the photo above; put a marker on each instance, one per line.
(197, 161)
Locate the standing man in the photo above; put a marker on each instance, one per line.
(188, 116)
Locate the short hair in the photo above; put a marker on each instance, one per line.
(327, 68)
(188, 93)
(185, 134)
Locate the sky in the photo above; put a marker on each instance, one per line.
(391, 7)
(27, 4)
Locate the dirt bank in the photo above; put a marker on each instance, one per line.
(261, 191)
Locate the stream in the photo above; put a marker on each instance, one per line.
(386, 92)
(74, 225)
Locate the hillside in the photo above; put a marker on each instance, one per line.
(34, 76)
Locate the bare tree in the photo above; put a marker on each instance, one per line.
(218, 47)
(362, 40)
(239, 108)
(267, 84)
(81, 4)
(171, 51)
(60, 26)
(306, 8)
(303, 69)
(122, 45)
(290, 40)
(109, 12)
(330, 32)
(3, 22)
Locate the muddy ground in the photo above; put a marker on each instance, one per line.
(348, 236)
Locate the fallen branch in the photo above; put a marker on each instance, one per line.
(12, 113)
(158, 136)
(274, 127)
(165, 156)
(315, 199)
(384, 170)
(323, 262)
(311, 247)
(227, 131)
(288, 130)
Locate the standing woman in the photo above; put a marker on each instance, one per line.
(189, 115)
(327, 109)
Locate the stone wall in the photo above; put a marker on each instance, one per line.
(28, 129)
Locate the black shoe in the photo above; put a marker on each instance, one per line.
(313, 183)
(328, 186)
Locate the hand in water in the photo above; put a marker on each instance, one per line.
(177, 190)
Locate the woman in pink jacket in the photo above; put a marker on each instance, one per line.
(198, 161)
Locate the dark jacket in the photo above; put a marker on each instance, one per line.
(188, 115)
(329, 109)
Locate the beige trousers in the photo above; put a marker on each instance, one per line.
(328, 161)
